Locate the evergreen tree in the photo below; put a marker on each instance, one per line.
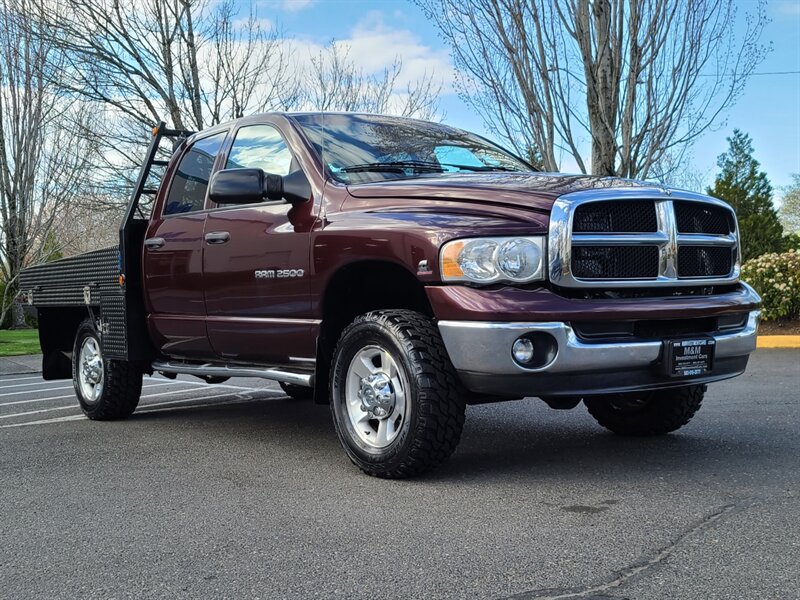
(748, 191)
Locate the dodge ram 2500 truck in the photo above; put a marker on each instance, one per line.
(399, 270)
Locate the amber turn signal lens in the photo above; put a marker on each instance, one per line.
(450, 266)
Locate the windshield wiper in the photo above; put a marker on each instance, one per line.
(478, 167)
(397, 166)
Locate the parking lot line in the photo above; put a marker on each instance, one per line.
(8, 387)
(34, 412)
(145, 408)
(45, 421)
(149, 407)
(39, 377)
(29, 401)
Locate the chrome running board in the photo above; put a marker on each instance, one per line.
(211, 370)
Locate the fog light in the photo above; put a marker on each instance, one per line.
(522, 350)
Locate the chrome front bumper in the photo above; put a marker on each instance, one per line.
(481, 353)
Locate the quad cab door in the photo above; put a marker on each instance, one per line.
(256, 264)
(173, 256)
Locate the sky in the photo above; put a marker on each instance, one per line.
(378, 31)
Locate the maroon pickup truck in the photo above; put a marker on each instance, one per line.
(399, 270)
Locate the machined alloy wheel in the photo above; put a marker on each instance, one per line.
(106, 389)
(90, 370)
(376, 396)
(396, 402)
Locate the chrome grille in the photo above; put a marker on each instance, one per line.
(622, 217)
(694, 217)
(630, 237)
(615, 262)
(702, 261)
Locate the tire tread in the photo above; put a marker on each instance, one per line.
(670, 410)
(441, 406)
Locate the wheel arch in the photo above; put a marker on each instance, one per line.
(357, 288)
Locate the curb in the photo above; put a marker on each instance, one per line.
(778, 341)
(23, 364)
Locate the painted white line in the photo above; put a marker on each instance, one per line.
(36, 412)
(59, 383)
(158, 407)
(39, 377)
(45, 421)
(73, 396)
(219, 385)
(149, 407)
(33, 412)
(206, 405)
(62, 386)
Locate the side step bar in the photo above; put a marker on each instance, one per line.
(210, 370)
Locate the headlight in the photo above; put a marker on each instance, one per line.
(488, 260)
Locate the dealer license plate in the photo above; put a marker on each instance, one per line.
(687, 358)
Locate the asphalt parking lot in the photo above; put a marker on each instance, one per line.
(237, 491)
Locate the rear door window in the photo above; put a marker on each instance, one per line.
(190, 182)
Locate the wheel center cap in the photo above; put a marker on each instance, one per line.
(377, 395)
(92, 369)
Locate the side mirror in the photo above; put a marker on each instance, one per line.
(294, 187)
(237, 186)
(251, 186)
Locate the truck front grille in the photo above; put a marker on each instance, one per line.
(615, 262)
(703, 218)
(607, 217)
(646, 237)
(702, 261)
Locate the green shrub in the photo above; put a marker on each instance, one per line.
(776, 277)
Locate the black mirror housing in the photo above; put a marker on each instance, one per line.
(237, 186)
(294, 187)
(251, 186)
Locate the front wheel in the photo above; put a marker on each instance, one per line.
(106, 389)
(647, 413)
(394, 394)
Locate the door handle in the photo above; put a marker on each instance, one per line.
(217, 237)
(154, 243)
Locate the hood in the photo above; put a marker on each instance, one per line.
(535, 191)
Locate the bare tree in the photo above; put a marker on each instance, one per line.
(790, 206)
(187, 59)
(42, 161)
(637, 80)
(335, 82)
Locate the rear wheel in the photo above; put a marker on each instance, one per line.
(395, 397)
(647, 413)
(297, 392)
(106, 389)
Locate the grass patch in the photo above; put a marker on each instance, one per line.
(19, 341)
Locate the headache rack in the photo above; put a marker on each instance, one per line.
(104, 284)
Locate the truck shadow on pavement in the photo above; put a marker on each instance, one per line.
(512, 441)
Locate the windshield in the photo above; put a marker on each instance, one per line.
(366, 148)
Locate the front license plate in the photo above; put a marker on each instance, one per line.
(687, 358)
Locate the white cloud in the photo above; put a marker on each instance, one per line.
(790, 7)
(296, 5)
(374, 45)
